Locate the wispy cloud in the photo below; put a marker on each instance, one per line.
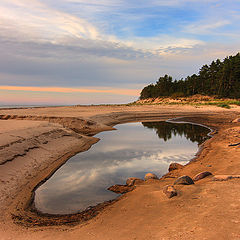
(204, 27)
(33, 20)
(36, 22)
(117, 91)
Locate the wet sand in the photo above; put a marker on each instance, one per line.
(35, 142)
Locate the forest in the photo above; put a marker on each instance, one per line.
(220, 79)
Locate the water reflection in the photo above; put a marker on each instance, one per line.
(132, 151)
(166, 130)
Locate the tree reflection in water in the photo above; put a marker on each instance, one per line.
(166, 131)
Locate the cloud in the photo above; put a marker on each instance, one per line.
(117, 91)
(34, 21)
(206, 28)
(117, 44)
(136, 3)
(160, 44)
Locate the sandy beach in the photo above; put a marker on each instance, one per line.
(35, 142)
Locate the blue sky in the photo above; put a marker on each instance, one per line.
(107, 45)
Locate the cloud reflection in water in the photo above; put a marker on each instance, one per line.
(132, 151)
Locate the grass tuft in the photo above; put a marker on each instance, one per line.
(224, 105)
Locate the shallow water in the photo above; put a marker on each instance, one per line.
(131, 151)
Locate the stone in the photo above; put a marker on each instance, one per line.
(121, 188)
(170, 191)
(174, 166)
(236, 120)
(133, 181)
(183, 180)
(201, 175)
(224, 177)
(150, 176)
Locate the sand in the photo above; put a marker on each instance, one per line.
(35, 142)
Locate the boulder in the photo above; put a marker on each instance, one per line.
(150, 176)
(201, 175)
(174, 166)
(133, 181)
(183, 180)
(121, 188)
(170, 191)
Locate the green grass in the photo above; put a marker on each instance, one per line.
(224, 105)
(228, 102)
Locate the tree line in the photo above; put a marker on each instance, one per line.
(220, 79)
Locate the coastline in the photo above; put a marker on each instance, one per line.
(73, 128)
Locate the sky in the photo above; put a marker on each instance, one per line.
(66, 52)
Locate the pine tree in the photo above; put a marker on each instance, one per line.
(219, 78)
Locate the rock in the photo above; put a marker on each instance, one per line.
(150, 176)
(133, 181)
(174, 166)
(224, 177)
(121, 188)
(184, 180)
(236, 120)
(235, 176)
(170, 191)
(234, 144)
(201, 175)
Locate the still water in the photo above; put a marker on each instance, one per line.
(132, 151)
